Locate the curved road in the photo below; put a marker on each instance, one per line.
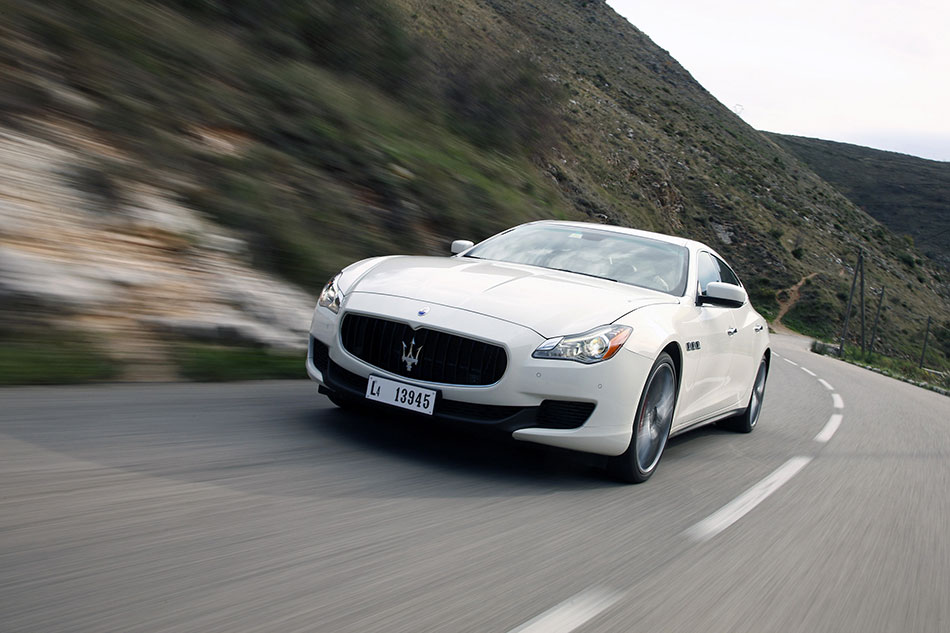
(260, 507)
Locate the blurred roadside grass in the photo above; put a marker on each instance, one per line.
(212, 363)
(58, 358)
(52, 357)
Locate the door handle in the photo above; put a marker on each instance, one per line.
(732, 331)
(759, 328)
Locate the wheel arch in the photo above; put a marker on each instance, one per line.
(676, 354)
(673, 349)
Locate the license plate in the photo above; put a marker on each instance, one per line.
(401, 395)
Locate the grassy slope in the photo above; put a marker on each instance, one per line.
(374, 127)
(334, 160)
(907, 194)
(647, 146)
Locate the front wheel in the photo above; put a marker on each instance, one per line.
(746, 421)
(651, 426)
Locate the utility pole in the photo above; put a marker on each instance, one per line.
(924, 353)
(877, 315)
(847, 314)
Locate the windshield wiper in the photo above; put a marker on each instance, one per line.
(577, 272)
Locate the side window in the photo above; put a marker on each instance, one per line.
(726, 273)
(708, 271)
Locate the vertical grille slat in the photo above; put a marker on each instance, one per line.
(426, 368)
(444, 358)
(441, 358)
(490, 355)
(372, 340)
(422, 347)
(385, 351)
(454, 354)
(360, 335)
(478, 363)
(465, 366)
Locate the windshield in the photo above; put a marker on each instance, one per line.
(629, 259)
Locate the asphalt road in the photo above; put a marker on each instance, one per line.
(260, 507)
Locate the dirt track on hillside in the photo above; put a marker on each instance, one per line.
(794, 294)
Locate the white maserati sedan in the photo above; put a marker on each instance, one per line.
(583, 336)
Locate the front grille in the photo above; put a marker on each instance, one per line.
(336, 375)
(473, 411)
(563, 414)
(442, 357)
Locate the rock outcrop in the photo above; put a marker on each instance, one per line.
(136, 267)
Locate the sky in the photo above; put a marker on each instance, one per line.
(869, 72)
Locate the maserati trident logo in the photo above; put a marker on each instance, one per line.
(407, 356)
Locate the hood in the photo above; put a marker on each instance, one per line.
(550, 302)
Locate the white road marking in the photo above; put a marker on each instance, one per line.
(744, 503)
(571, 613)
(824, 383)
(839, 403)
(790, 362)
(826, 433)
(809, 372)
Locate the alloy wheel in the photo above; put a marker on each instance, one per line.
(758, 394)
(656, 418)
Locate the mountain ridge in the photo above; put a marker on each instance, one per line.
(909, 194)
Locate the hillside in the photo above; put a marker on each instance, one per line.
(323, 132)
(908, 195)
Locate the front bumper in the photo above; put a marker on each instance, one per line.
(588, 408)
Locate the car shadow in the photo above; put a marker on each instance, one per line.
(454, 453)
(278, 439)
(696, 434)
(464, 458)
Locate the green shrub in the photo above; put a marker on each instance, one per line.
(503, 103)
(215, 363)
(816, 313)
(763, 297)
(37, 357)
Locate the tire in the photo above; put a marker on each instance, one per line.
(745, 422)
(651, 425)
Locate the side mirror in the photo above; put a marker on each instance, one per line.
(720, 294)
(461, 245)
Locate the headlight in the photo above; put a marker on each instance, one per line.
(331, 296)
(590, 347)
